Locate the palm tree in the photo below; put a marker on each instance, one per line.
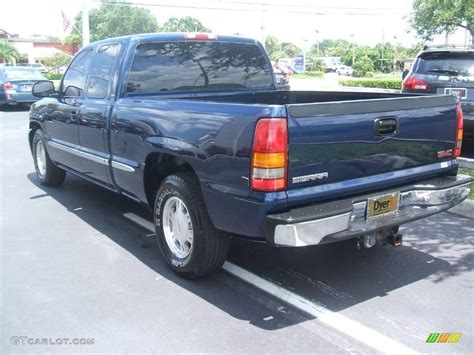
(8, 52)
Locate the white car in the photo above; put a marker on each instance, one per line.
(345, 70)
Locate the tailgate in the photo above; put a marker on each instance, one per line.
(338, 141)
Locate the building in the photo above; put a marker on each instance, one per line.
(36, 49)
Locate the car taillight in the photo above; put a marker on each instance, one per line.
(459, 132)
(414, 84)
(199, 36)
(270, 155)
(8, 86)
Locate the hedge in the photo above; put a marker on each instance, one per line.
(54, 76)
(316, 74)
(308, 75)
(373, 83)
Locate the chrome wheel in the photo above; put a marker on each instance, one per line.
(41, 157)
(177, 227)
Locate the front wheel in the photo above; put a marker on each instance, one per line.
(48, 173)
(188, 241)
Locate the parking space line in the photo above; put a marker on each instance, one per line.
(344, 325)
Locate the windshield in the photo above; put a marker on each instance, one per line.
(23, 74)
(459, 64)
(197, 65)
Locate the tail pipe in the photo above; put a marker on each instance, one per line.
(383, 237)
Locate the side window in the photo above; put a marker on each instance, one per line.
(75, 77)
(102, 71)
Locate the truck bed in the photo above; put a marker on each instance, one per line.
(332, 133)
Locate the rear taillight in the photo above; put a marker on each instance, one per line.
(8, 86)
(199, 36)
(270, 155)
(414, 84)
(459, 132)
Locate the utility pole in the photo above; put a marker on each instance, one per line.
(317, 41)
(353, 49)
(383, 48)
(85, 23)
(395, 50)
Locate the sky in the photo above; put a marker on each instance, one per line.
(302, 22)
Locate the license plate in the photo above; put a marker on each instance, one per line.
(26, 87)
(460, 93)
(382, 205)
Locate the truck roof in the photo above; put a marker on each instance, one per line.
(175, 36)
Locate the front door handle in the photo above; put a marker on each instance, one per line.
(385, 126)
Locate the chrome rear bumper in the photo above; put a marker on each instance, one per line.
(344, 219)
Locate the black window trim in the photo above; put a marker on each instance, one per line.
(112, 84)
(88, 49)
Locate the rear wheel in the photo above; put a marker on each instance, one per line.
(48, 173)
(188, 241)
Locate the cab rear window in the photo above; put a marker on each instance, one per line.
(197, 65)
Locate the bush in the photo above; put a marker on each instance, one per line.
(315, 64)
(54, 76)
(363, 66)
(370, 74)
(57, 60)
(395, 84)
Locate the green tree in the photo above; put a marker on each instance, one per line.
(278, 54)
(272, 44)
(331, 47)
(57, 60)
(184, 24)
(277, 50)
(362, 66)
(290, 49)
(112, 20)
(8, 53)
(315, 64)
(432, 17)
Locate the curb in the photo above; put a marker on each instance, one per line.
(466, 163)
(464, 209)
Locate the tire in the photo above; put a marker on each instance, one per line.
(188, 241)
(48, 173)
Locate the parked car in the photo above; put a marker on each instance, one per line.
(345, 70)
(38, 66)
(445, 71)
(194, 126)
(282, 79)
(292, 69)
(16, 84)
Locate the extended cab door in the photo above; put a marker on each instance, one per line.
(95, 113)
(61, 120)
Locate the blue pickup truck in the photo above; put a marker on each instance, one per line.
(194, 126)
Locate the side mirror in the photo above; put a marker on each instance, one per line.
(405, 73)
(43, 88)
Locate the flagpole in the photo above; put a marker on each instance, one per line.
(85, 23)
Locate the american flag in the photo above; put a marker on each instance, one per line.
(66, 22)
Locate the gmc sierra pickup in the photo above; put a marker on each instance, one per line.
(194, 126)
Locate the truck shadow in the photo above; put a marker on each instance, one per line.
(337, 276)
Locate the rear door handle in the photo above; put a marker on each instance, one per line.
(384, 126)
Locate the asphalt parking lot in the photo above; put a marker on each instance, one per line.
(76, 264)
